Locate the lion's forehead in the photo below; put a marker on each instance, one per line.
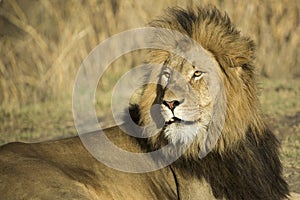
(180, 65)
(203, 61)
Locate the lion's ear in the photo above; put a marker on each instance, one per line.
(244, 71)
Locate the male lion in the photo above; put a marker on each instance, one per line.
(242, 164)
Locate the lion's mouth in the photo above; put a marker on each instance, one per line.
(177, 120)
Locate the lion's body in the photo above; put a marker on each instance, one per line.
(242, 164)
(64, 169)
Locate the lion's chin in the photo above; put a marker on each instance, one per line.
(182, 132)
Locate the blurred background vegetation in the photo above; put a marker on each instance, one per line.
(44, 42)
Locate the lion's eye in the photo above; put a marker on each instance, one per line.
(197, 74)
(166, 74)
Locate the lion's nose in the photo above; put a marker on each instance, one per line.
(172, 104)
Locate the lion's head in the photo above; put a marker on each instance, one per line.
(186, 112)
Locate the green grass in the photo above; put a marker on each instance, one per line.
(37, 122)
(280, 96)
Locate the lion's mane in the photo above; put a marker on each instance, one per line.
(244, 164)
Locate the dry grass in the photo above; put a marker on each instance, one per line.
(44, 42)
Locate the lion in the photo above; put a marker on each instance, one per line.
(242, 163)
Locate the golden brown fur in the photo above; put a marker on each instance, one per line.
(243, 165)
